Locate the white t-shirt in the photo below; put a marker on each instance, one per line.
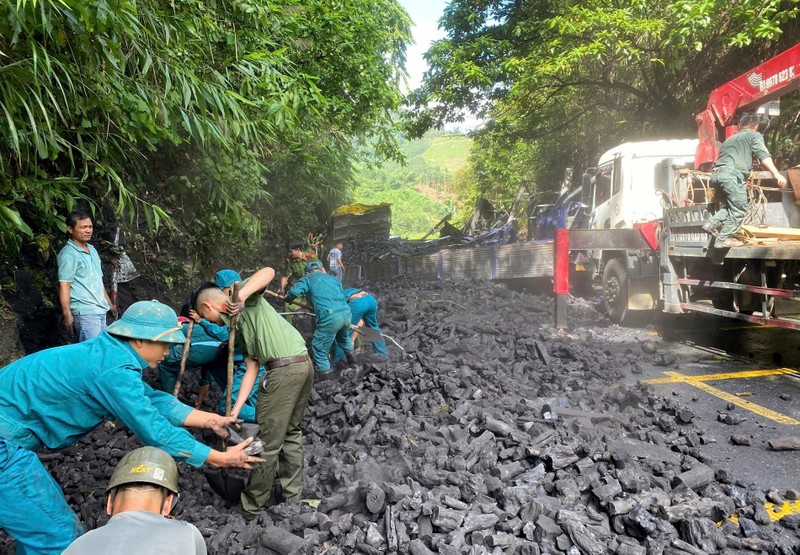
(138, 532)
(335, 257)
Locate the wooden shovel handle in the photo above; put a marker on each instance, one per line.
(184, 356)
(231, 347)
(301, 304)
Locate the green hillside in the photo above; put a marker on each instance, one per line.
(450, 152)
(419, 191)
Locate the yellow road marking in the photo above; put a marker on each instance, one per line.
(724, 376)
(776, 512)
(787, 508)
(733, 399)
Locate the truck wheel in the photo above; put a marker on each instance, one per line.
(615, 290)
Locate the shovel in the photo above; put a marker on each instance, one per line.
(224, 482)
(369, 334)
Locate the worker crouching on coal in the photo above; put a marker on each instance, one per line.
(364, 307)
(267, 338)
(54, 397)
(332, 315)
(142, 491)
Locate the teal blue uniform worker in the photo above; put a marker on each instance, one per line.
(332, 315)
(224, 279)
(204, 352)
(733, 165)
(54, 397)
(363, 307)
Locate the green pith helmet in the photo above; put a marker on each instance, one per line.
(148, 465)
(149, 320)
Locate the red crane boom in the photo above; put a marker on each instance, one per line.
(772, 79)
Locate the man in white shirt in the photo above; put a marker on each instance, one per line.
(335, 264)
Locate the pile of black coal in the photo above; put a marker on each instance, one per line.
(493, 433)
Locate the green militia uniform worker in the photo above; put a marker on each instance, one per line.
(142, 492)
(728, 177)
(266, 338)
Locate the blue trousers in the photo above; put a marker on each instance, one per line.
(364, 308)
(89, 326)
(32, 506)
(337, 272)
(330, 329)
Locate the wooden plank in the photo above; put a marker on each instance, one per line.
(772, 232)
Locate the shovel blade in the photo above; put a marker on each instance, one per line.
(368, 334)
(126, 271)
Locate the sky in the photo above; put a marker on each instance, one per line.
(426, 14)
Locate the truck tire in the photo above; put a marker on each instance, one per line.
(615, 290)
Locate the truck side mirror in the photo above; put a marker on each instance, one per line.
(587, 181)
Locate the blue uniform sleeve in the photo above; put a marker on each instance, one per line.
(215, 330)
(148, 414)
(298, 289)
(67, 267)
(174, 411)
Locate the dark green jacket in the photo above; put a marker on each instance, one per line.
(738, 150)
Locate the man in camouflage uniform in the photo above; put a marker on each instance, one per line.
(295, 268)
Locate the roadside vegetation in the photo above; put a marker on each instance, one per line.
(556, 84)
(225, 121)
(422, 189)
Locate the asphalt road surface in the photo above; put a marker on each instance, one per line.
(743, 375)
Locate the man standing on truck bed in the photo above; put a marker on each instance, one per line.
(728, 177)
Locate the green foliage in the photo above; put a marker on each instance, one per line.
(449, 151)
(559, 83)
(189, 108)
(421, 190)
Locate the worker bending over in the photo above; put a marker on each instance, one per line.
(224, 279)
(54, 397)
(331, 314)
(142, 491)
(266, 338)
(363, 306)
(205, 354)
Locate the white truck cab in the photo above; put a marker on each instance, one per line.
(629, 178)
